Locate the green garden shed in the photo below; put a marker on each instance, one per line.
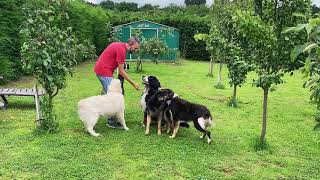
(148, 29)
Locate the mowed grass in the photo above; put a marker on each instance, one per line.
(293, 153)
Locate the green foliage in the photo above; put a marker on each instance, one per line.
(107, 4)
(6, 70)
(312, 59)
(148, 7)
(224, 44)
(244, 34)
(155, 47)
(194, 2)
(86, 51)
(10, 20)
(89, 23)
(269, 48)
(152, 47)
(49, 118)
(49, 54)
(126, 6)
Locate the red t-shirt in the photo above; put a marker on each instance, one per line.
(108, 61)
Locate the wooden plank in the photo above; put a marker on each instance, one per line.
(36, 97)
(20, 92)
(25, 92)
(8, 91)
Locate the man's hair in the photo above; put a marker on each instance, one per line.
(133, 40)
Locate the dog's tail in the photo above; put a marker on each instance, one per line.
(210, 122)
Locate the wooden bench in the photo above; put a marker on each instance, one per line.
(22, 92)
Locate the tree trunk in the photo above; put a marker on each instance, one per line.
(234, 97)
(264, 116)
(219, 74)
(139, 65)
(211, 64)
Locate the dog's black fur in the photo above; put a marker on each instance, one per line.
(152, 86)
(126, 68)
(180, 109)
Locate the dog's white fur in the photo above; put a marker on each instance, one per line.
(111, 104)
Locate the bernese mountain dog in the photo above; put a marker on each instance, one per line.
(153, 109)
(180, 109)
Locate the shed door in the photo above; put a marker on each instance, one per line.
(146, 34)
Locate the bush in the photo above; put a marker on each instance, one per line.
(10, 20)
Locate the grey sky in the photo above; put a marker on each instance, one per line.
(163, 3)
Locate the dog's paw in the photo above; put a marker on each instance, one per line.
(96, 135)
(201, 137)
(209, 141)
(171, 137)
(147, 133)
(159, 133)
(126, 128)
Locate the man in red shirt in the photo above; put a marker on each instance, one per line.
(114, 56)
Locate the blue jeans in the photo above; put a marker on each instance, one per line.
(105, 82)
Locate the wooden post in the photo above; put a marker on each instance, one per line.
(2, 105)
(36, 97)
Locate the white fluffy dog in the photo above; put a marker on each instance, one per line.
(111, 104)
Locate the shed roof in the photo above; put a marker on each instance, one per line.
(144, 20)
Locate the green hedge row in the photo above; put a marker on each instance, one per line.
(87, 22)
(90, 23)
(10, 20)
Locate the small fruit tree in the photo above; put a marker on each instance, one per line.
(49, 52)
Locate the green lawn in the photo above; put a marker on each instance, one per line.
(294, 151)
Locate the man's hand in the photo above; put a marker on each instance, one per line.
(136, 86)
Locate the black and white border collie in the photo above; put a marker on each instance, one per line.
(180, 109)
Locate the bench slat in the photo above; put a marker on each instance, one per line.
(8, 91)
(24, 92)
(20, 92)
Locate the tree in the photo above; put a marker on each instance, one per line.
(126, 6)
(49, 53)
(224, 43)
(315, 9)
(108, 4)
(269, 48)
(148, 7)
(238, 67)
(155, 47)
(209, 48)
(194, 2)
